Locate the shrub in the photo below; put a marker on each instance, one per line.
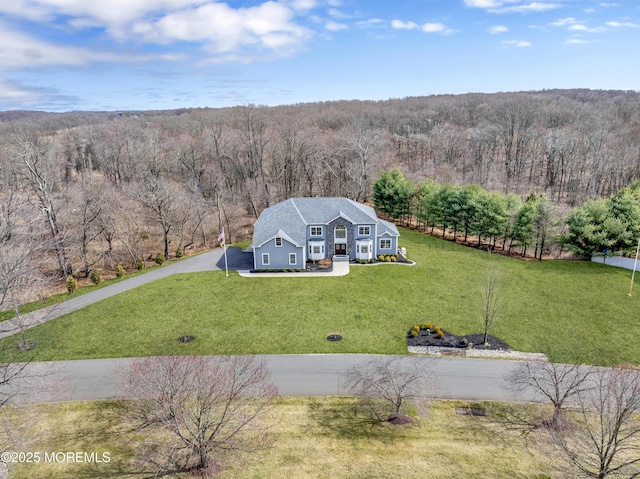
(179, 253)
(159, 259)
(429, 326)
(139, 263)
(394, 257)
(95, 276)
(464, 342)
(387, 259)
(440, 334)
(414, 333)
(424, 326)
(372, 260)
(72, 284)
(380, 257)
(120, 272)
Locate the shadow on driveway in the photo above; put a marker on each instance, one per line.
(236, 260)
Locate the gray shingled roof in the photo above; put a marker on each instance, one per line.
(291, 217)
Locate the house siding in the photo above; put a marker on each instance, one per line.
(278, 255)
(394, 245)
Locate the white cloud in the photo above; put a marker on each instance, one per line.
(483, 3)
(106, 13)
(498, 29)
(223, 29)
(29, 52)
(217, 26)
(530, 7)
(430, 27)
(606, 4)
(578, 27)
(304, 5)
(434, 28)
(335, 26)
(576, 41)
(517, 43)
(503, 6)
(564, 22)
(621, 25)
(400, 25)
(370, 23)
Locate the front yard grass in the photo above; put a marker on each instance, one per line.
(574, 311)
(310, 440)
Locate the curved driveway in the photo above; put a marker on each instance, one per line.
(209, 261)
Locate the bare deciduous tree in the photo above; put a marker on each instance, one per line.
(556, 383)
(604, 439)
(210, 405)
(491, 304)
(37, 170)
(386, 384)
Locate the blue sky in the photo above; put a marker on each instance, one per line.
(61, 55)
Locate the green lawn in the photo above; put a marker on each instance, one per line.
(576, 311)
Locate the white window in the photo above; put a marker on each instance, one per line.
(265, 259)
(385, 243)
(293, 258)
(317, 249)
(278, 241)
(341, 232)
(364, 230)
(316, 231)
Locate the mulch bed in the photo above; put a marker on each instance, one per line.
(452, 341)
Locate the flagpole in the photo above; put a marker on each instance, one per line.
(634, 269)
(226, 268)
(223, 239)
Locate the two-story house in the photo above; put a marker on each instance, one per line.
(288, 234)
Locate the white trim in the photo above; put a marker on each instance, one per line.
(295, 259)
(311, 228)
(385, 239)
(368, 233)
(276, 241)
(336, 238)
(268, 262)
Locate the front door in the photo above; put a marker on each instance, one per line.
(341, 249)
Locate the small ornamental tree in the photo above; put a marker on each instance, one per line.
(72, 284)
(557, 383)
(120, 272)
(385, 386)
(95, 276)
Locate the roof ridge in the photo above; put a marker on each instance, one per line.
(298, 211)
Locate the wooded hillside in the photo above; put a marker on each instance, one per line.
(94, 189)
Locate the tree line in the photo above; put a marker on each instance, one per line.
(470, 212)
(604, 226)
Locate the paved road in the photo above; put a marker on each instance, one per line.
(295, 375)
(209, 261)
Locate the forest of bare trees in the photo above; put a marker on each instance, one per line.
(108, 188)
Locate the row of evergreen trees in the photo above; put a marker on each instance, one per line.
(471, 212)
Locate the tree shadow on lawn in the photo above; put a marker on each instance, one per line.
(346, 418)
(101, 427)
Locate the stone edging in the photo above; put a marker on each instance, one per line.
(476, 353)
(378, 263)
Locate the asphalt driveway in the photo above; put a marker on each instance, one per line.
(209, 261)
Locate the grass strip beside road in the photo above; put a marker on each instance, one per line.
(312, 438)
(574, 311)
